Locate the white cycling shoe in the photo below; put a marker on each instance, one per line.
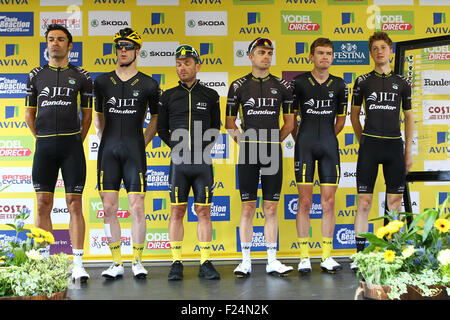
(114, 271)
(244, 269)
(277, 268)
(330, 265)
(79, 274)
(304, 266)
(139, 270)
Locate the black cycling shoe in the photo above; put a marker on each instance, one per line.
(176, 271)
(208, 271)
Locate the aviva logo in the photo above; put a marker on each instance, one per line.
(346, 19)
(439, 24)
(442, 137)
(301, 48)
(159, 77)
(11, 112)
(107, 51)
(11, 50)
(351, 201)
(156, 20)
(350, 139)
(159, 204)
(205, 49)
(252, 19)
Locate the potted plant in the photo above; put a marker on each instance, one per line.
(24, 273)
(407, 261)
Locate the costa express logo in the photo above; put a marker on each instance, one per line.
(158, 25)
(301, 22)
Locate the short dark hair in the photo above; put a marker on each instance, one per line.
(55, 26)
(320, 42)
(379, 35)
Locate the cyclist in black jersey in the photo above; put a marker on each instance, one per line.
(259, 98)
(383, 94)
(122, 98)
(53, 116)
(189, 123)
(321, 99)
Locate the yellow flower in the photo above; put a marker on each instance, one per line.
(442, 225)
(381, 232)
(33, 254)
(394, 226)
(39, 240)
(389, 255)
(408, 251)
(48, 237)
(2, 260)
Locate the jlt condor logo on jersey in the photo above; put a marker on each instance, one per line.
(381, 97)
(115, 103)
(314, 105)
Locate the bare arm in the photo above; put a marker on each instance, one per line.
(232, 129)
(287, 127)
(409, 129)
(30, 117)
(99, 123)
(356, 124)
(150, 131)
(339, 125)
(86, 120)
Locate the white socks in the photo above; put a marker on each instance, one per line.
(77, 257)
(271, 252)
(246, 247)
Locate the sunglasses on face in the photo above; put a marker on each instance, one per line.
(126, 45)
(261, 42)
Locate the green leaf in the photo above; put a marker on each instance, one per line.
(429, 224)
(11, 225)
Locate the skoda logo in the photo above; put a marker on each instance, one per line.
(94, 23)
(240, 53)
(191, 23)
(143, 54)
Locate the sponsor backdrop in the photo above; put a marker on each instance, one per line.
(221, 31)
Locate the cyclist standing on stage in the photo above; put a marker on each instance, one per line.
(321, 99)
(53, 117)
(259, 97)
(383, 94)
(122, 98)
(188, 111)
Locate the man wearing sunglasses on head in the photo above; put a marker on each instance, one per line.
(259, 97)
(189, 123)
(122, 98)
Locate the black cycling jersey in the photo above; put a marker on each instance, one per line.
(383, 96)
(319, 104)
(121, 153)
(54, 92)
(188, 109)
(259, 101)
(124, 103)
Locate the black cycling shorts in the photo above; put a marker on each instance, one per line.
(184, 176)
(55, 153)
(122, 160)
(388, 152)
(325, 151)
(260, 160)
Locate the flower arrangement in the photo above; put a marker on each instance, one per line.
(401, 255)
(23, 271)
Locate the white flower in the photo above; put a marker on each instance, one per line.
(33, 254)
(408, 251)
(444, 257)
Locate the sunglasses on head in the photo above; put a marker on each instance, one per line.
(260, 42)
(126, 45)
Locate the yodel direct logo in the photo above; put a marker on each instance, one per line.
(301, 22)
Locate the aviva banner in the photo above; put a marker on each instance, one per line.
(220, 30)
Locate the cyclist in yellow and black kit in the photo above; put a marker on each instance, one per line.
(384, 95)
(53, 116)
(259, 97)
(122, 98)
(189, 123)
(321, 99)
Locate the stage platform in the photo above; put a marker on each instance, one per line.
(318, 285)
